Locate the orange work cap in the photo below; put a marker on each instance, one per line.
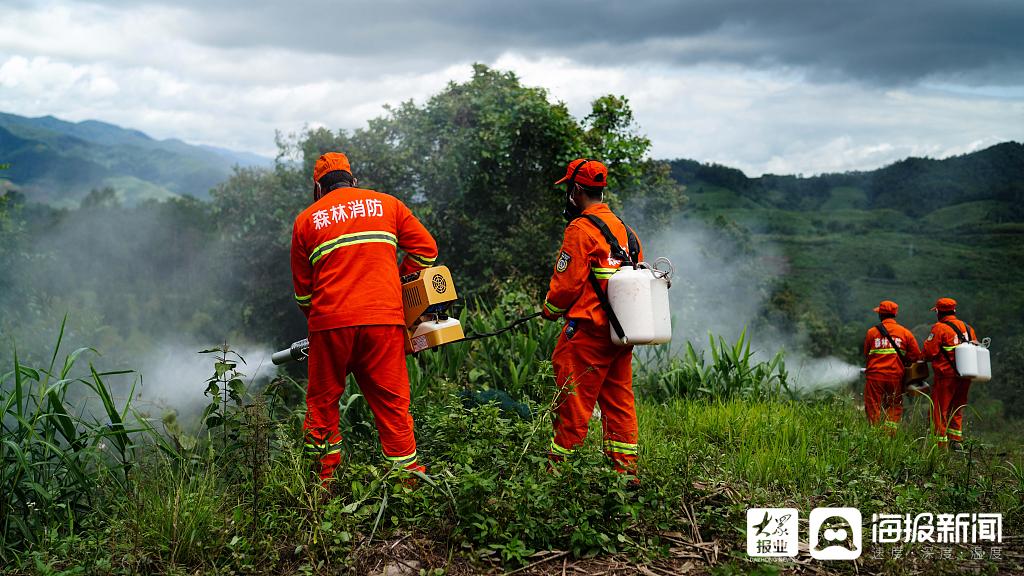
(586, 172)
(945, 305)
(887, 307)
(330, 162)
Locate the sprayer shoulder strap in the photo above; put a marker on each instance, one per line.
(602, 297)
(618, 253)
(963, 338)
(960, 333)
(899, 352)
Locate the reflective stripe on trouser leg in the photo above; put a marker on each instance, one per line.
(407, 462)
(558, 453)
(320, 443)
(580, 368)
(328, 361)
(380, 369)
(618, 411)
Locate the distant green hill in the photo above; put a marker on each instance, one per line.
(912, 231)
(59, 162)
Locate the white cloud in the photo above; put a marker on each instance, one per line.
(778, 122)
(139, 66)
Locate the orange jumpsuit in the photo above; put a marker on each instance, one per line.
(346, 276)
(883, 389)
(588, 367)
(949, 393)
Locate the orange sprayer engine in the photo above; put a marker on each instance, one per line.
(426, 298)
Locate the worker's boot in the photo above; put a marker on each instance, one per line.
(956, 446)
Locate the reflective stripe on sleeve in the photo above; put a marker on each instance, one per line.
(604, 273)
(351, 240)
(304, 300)
(554, 309)
(421, 260)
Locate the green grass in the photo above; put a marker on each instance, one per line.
(845, 197)
(964, 215)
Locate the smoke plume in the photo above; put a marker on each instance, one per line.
(721, 286)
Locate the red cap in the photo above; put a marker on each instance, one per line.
(589, 173)
(945, 305)
(887, 307)
(330, 162)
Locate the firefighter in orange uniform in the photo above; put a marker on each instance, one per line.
(346, 276)
(949, 393)
(887, 347)
(588, 367)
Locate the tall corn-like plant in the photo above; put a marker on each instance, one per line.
(53, 457)
(734, 371)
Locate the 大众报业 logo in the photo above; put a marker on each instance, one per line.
(772, 532)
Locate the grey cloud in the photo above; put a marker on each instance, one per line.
(977, 42)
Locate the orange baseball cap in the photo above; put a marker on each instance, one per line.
(330, 162)
(887, 307)
(945, 305)
(586, 172)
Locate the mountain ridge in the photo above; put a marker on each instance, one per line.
(913, 185)
(59, 162)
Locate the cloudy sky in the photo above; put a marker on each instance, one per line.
(783, 86)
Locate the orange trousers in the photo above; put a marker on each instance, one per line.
(590, 369)
(883, 395)
(949, 396)
(375, 355)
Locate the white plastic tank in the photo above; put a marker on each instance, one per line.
(984, 365)
(639, 298)
(972, 361)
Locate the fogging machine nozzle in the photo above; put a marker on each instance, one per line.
(297, 352)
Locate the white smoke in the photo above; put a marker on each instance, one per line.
(720, 286)
(174, 376)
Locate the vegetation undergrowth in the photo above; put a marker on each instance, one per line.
(720, 433)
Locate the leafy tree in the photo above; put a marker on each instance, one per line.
(105, 197)
(476, 163)
(254, 211)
